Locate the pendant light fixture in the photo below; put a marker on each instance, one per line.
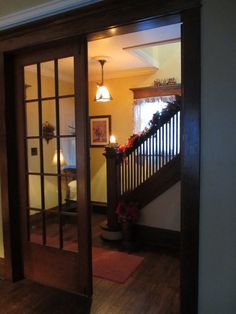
(102, 94)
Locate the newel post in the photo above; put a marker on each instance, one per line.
(111, 228)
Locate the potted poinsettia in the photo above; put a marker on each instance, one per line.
(128, 213)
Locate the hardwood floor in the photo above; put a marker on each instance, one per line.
(152, 289)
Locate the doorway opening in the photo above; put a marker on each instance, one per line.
(150, 61)
(190, 148)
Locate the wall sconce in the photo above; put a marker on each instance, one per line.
(102, 94)
(62, 159)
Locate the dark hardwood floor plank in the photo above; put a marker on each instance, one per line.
(152, 289)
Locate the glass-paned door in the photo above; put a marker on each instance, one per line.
(53, 161)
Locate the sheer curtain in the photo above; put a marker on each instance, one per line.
(145, 108)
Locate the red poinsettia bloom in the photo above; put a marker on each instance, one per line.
(121, 148)
(132, 140)
(127, 211)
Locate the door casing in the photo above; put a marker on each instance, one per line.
(104, 16)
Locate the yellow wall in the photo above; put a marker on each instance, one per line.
(121, 111)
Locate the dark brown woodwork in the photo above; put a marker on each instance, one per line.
(157, 184)
(190, 162)
(6, 221)
(9, 181)
(150, 237)
(144, 294)
(53, 271)
(113, 188)
(153, 91)
(2, 267)
(89, 19)
(83, 174)
(102, 17)
(56, 267)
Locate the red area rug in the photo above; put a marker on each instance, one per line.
(114, 266)
(111, 265)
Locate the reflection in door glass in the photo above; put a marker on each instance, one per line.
(49, 151)
(47, 79)
(49, 118)
(52, 228)
(66, 76)
(31, 83)
(34, 186)
(33, 155)
(67, 116)
(51, 192)
(36, 226)
(32, 119)
(70, 233)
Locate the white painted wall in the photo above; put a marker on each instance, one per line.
(217, 259)
(164, 211)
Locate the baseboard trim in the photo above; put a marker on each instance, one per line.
(99, 207)
(157, 237)
(2, 266)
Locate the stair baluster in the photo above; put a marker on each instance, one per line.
(126, 173)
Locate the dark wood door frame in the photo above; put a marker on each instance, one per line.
(87, 20)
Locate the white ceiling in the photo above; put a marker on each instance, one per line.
(130, 53)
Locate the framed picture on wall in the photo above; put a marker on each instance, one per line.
(100, 130)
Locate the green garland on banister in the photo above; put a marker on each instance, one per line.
(158, 119)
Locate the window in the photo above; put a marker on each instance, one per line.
(145, 108)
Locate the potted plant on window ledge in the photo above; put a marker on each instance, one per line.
(128, 213)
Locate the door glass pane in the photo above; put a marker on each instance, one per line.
(51, 192)
(35, 191)
(32, 119)
(49, 160)
(36, 226)
(53, 213)
(47, 79)
(52, 228)
(33, 155)
(66, 76)
(31, 82)
(70, 233)
(49, 119)
(67, 116)
(67, 145)
(69, 189)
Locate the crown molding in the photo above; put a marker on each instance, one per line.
(41, 11)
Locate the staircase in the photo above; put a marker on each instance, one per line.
(148, 166)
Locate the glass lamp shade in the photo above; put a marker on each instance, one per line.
(62, 159)
(103, 94)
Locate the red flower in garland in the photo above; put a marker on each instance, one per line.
(129, 144)
(122, 148)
